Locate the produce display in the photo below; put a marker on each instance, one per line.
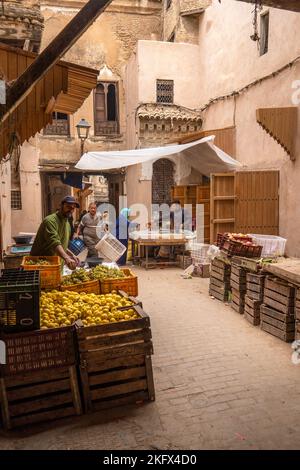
(242, 237)
(103, 272)
(99, 272)
(77, 277)
(58, 309)
(38, 262)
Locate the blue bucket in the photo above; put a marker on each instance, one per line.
(76, 246)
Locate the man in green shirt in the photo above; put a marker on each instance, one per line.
(54, 232)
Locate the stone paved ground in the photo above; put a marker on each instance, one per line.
(220, 383)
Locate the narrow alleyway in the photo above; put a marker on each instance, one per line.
(220, 383)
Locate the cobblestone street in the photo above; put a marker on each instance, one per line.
(220, 383)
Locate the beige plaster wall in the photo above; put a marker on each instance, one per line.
(28, 219)
(229, 59)
(169, 61)
(224, 72)
(110, 40)
(5, 203)
(131, 85)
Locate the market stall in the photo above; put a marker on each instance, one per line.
(251, 273)
(152, 239)
(74, 343)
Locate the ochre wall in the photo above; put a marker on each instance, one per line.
(225, 72)
(110, 40)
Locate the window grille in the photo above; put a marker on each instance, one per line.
(106, 107)
(59, 126)
(165, 91)
(16, 200)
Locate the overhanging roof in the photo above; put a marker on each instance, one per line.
(64, 89)
(202, 154)
(292, 5)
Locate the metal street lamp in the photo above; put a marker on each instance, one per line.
(83, 129)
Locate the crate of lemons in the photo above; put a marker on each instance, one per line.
(59, 309)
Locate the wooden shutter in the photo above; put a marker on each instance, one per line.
(203, 197)
(100, 112)
(257, 202)
(222, 206)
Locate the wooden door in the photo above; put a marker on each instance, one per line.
(203, 197)
(222, 207)
(257, 202)
(245, 202)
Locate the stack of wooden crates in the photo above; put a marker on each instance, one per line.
(219, 286)
(277, 311)
(254, 297)
(238, 287)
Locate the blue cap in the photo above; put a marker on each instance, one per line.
(70, 200)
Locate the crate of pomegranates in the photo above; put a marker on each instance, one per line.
(239, 244)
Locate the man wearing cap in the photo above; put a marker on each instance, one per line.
(54, 233)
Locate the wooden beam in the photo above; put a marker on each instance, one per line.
(53, 52)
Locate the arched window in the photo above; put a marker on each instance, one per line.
(162, 181)
(106, 109)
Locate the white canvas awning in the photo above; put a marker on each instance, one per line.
(203, 155)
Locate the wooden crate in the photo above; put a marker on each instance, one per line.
(238, 270)
(255, 286)
(297, 329)
(283, 335)
(247, 263)
(115, 363)
(40, 396)
(254, 305)
(127, 284)
(89, 287)
(50, 274)
(220, 293)
(238, 286)
(255, 278)
(252, 310)
(254, 320)
(221, 264)
(277, 323)
(279, 295)
(238, 278)
(237, 307)
(281, 287)
(238, 296)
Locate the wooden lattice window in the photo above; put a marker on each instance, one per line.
(165, 91)
(16, 200)
(162, 181)
(59, 126)
(106, 109)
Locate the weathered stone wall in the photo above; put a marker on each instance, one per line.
(109, 41)
(181, 19)
(21, 19)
